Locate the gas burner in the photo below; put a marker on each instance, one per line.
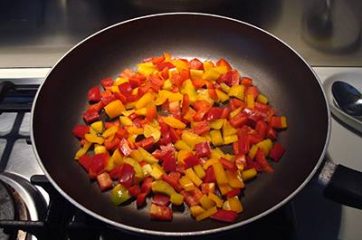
(19, 201)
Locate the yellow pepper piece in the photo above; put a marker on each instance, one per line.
(109, 165)
(196, 210)
(174, 122)
(82, 150)
(234, 180)
(237, 91)
(217, 124)
(99, 149)
(93, 138)
(211, 74)
(252, 151)
(110, 132)
(283, 120)
(114, 89)
(208, 213)
(182, 154)
(141, 111)
(186, 183)
(191, 138)
(206, 202)
(235, 112)
(162, 97)
(224, 189)
(218, 201)
(193, 177)
(148, 157)
(146, 68)
(176, 199)
(209, 163)
(221, 95)
(220, 174)
(227, 129)
(127, 113)
(125, 121)
(262, 99)
(189, 89)
(265, 145)
(203, 94)
(160, 186)
(117, 157)
(216, 137)
(134, 130)
(230, 139)
(157, 171)
(249, 174)
(179, 64)
(174, 97)
(136, 166)
(225, 88)
(144, 100)
(217, 153)
(208, 65)
(196, 74)
(200, 172)
(147, 169)
(97, 126)
(189, 115)
(167, 84)
(250, 101)
(150, 131)
(119, 81)
(114, 108)
(181, 145)
(235, 204)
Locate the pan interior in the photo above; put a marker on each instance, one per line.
(279, 73)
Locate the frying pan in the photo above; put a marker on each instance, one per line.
(277, 70)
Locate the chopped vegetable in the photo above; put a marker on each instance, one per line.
(182, 132)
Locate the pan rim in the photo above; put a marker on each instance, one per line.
(198, 232)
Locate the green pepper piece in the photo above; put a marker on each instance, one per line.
(119, 194)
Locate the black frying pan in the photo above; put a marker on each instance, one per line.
(276, 69)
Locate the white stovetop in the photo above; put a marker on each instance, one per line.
(317, 218)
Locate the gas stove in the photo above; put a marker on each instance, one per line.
(31, 208)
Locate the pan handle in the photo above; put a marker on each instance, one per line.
(342, 184)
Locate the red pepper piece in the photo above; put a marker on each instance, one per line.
(236, 148)
(112, 144)
(228, 164)
(107, 82)
(225, 216)
(191, 161)
(212, 91)
(261, 128)
(96, 107)
(260, 158)
(201, 127)
(116, 172)
(151, 113)
(94, 94)
(236, 103)
(214, 113)
(239, 120)
(196, 64)
(203, 149)
(234, 192)
(223, 62)
(125, 88)
(104, 181)
(174, 135)
(276, 152)
(79, 130)
(254, 138)
(107, 97)
(97, 164)
(209, 175)
(243, 143)
(161, 199)
(136, 80)
(124, 147)
(85, 161)
(271, 133)
(146, 185)
(146, 143)
(134, 190)
(90, 116)
(230, 78)
(185, 104)
(173, 179)
(141, 199)
(192, 197)
(127, 175)
(161, 213)
(169, 162)
(246, 81)
(162, 65)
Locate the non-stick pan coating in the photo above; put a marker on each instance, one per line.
(276, 69)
